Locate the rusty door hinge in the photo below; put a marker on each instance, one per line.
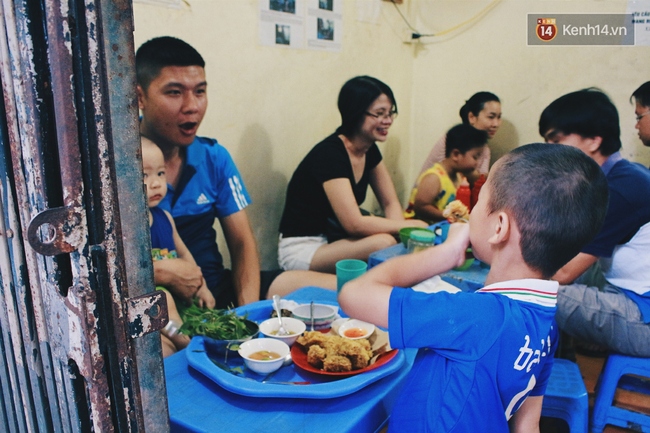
(147, 313)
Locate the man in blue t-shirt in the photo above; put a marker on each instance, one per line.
(485, 357)
(204, 184)
(609, 306)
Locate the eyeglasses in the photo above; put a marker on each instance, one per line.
(640, 116)
(383, 116)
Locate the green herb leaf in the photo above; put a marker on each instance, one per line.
(214, 323)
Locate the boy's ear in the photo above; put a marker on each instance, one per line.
(140, 93)
(502, 229)
(594, 144)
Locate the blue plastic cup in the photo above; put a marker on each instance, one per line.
(347, 270)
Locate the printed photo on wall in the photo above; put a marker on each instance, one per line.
(282, 34)
(325, 29)
(327, 5)
(288, 6)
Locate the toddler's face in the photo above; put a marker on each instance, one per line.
(155, 178)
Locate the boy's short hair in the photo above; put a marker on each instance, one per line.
(642, 94)
(557, 196)
(588, 113)
(463, 138)
(163, 51)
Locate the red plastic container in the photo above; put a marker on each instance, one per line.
(475, 190)
(463, 193)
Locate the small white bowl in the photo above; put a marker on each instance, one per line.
(249, 347)
(270, 327)
(323, 314)
(355, 329)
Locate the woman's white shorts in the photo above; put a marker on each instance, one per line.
(296, 253)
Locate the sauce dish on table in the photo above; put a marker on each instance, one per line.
(264, 355)
(269, 328)
(354, 329)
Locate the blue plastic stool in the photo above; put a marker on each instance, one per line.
(566, 396)
(605, 412)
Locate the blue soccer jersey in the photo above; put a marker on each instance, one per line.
(481, 354)
(210, 187)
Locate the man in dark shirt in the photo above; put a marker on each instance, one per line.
(610, 305)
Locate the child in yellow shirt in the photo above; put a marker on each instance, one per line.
(436, 187)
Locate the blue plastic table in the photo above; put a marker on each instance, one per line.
(197, 403)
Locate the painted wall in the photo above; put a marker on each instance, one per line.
(270, 105)
(492, 55)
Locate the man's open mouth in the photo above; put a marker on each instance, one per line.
(188, 126)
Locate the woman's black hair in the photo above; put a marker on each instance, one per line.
(475, 104)
(355, 97)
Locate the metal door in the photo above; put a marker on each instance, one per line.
(77, 307)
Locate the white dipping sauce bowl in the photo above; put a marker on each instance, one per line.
(368, 329)
(247, 348)
(270, 327)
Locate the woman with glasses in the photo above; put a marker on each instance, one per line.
(483, 112)
(322, 222)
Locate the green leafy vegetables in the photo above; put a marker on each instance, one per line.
(217, 324)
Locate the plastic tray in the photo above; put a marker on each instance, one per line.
(249, 384)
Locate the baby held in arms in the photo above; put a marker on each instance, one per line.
(165, 238)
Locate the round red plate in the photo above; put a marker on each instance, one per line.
(299, 357)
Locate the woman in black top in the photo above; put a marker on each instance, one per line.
(322, 223)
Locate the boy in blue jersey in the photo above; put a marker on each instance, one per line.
(485, 357)
(204, 184)
(607, 308)
(166, 244)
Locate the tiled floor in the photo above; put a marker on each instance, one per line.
(590, 368)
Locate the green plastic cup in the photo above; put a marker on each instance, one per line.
(347, 270)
